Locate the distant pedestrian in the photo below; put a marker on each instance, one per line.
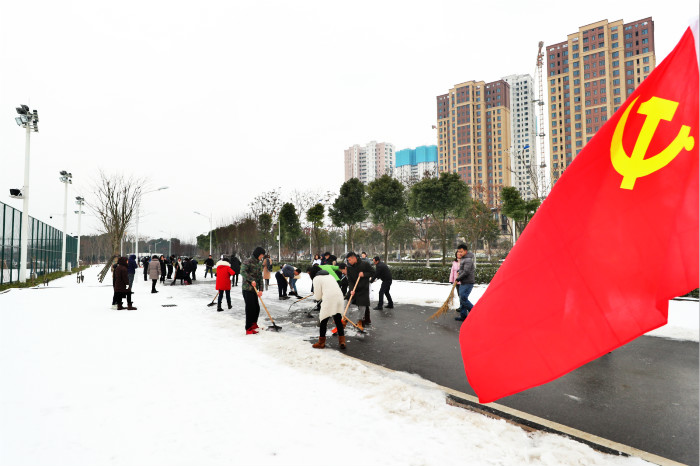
(132, 265)
(161, 259)
(194, 268)
(267, 270)
(251, 273)
(224, 272)
(383, 274)
(209, 264)
(236, 266)
(169, 264)
(179, 273)
(121, 285)
(317, 260)
(465, 277)
(144, 262)
(154, 272)
(187, 269)
(326, 291)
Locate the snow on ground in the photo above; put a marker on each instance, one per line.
(87, 385)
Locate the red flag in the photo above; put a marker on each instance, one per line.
(614, 241)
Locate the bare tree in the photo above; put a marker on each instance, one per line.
(115, 202)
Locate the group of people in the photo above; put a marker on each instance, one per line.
(330, 283)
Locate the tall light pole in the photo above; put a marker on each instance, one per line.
(80, 201)
(211, 228)
(66, 178)
(138, 210)
(27, 119)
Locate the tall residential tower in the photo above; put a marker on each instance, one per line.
(589, 77)
(370, 161)
(474, 136)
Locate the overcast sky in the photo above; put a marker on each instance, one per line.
(223, 100)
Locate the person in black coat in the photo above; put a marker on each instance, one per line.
(236, 266)
(187, 269)
(144, 262)
(194, 268)
(209, 264)
(162, 268)
(121, 285)
(169, 265)
(359, 272)
(383, 274)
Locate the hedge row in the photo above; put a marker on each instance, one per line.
(440, 274)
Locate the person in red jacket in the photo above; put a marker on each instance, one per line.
(224, 272)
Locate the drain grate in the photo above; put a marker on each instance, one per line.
(169, 305)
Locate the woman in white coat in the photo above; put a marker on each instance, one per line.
(327, 291)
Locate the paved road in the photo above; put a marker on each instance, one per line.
(644, 394)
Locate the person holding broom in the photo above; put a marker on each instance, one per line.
(359, 272)
(465, 277)
(251, 273)
(331, 299)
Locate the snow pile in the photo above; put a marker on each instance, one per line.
(86, 385)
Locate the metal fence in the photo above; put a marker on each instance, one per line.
(45, 244)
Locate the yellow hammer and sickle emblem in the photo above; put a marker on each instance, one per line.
(636, 166)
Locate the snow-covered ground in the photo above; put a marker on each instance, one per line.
(86, 385)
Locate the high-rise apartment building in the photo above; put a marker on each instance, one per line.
(415, 164)
(370, 161)
(474, 136)
(523, 128)
(589, 77)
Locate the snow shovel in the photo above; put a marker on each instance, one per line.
(274, 327)
(212, 301)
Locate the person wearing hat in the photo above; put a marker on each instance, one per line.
(251, 273)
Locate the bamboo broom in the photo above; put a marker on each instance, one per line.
(444, 309)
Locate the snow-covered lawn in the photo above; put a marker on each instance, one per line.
(86, 385)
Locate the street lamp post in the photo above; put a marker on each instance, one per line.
(138, 210)
(29, 120)
(80, 201)
(211, 227)
(66, 178)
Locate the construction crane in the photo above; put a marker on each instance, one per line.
(542, 188)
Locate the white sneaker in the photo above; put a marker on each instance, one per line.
(114, 306)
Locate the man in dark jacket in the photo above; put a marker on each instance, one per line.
(383, 274)
(465, 277)
(145, 262)
(187, 267)
(328, 259)
(169, 265)
(132, 265)
(162, 268)
(121, 285)
(194, 268)
(236, 266)
(209, 264)
(359, 272)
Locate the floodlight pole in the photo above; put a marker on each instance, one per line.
(80, 201)
(66, 178)
(29, 122)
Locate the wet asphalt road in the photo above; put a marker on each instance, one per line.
(644, 394)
